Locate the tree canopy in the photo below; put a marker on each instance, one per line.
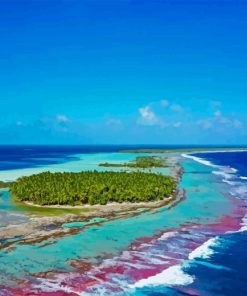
(144, 162)
(92, 187)
(4, 184)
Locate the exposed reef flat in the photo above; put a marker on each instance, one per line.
(39, 228)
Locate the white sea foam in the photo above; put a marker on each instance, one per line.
(243, 228)
(167, 235)
(224, 174)
(205, 250)
(200, 160)
(225, 169)
(227, 173)
(232, 170)
(172, 276)
(220, 151)
(226, 177)
(243, 178)
(240, 190)
(229, 182)
(244, 224)
(53, 286)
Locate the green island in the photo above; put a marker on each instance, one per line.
(92, 188)
(183, 150)
(145, 162)
(4, 184)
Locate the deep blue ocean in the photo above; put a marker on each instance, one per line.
(224, 273)
(237, 160)
(26, 156)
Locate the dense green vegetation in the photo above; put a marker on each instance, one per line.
(92, 187)
(146, 162)
(181, 150)
(4, 184)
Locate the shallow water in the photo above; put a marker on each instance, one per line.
(82, 162)
(166, 251)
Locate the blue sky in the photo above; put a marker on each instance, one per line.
(121, 71)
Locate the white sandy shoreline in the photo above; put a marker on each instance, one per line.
(108, 205)
(214, 151)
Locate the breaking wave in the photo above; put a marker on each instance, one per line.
(205, 250)
(200, 160)
(244, 224)
(172, 276)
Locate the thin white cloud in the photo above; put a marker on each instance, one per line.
(62, 118)
(217, 113)
(177, 124)
(237, 123)
(219, 122)
(148, 117)
(176, 108)
(205, 123)
(164, 103)
(20, 123)
(215, 103)
(114, 122)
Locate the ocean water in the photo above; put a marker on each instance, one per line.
(17, 161)
(14, 157)
(223, 270)
(196, 246)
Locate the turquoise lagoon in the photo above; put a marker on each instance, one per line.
(205, 204)
(84, 162)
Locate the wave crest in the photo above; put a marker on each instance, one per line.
(172, 276)
(205, 250)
